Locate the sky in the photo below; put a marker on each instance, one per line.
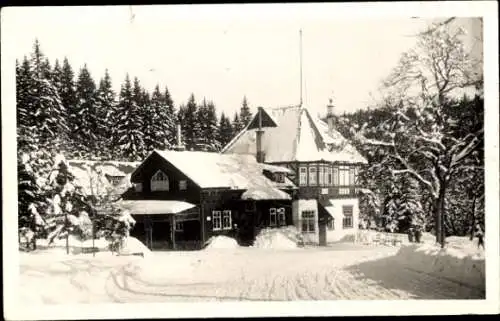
(223, 53)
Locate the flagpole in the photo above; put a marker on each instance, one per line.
(300, 47)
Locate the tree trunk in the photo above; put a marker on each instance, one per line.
(439, 217)
(34, 233)
(439, 212)
(473, 218)
(67, 232)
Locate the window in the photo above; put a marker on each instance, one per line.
(277, 216)
(352, 176)
(344, 175)
(217, 220)
(335, 176)
(347, 210)
(179, 226)
(279, 177)
(281, 216)
(182, 185)
(115, 180)
(308, 222)
(327, 172)
(321, 176)
(356, 175)
(331, 223)
(159, 182)
(312, 176)
(138, 187)
(303, 176)
(226, 220)
(272, 216)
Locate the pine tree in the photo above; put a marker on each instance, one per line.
(57, 77)
(47, 71)
(24, 105)
(128, 138)
(245, 113)
(47, 111)
(67, 92)
(106, 105)
(207, 127)
(68, 208)
(34, 167)
(149, 118)
(190, 123)
(181, 120)
(161, 122)
(225, 131)
(86, 117)
(170, 118)
(236, 125)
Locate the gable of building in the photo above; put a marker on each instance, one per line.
(297, 137)
(158, 178)
(208, 170)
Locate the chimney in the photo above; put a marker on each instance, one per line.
(180, 146)
(259, 152)
(329, 115)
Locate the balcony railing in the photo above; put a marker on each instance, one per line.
(330, 191)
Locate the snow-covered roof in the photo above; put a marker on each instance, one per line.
(154, 207)
(276, 169)
(297, 137)
(264, 194)
(212, 170)
(90, 176)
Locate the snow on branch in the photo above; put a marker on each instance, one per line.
(467, 149)
(418, 177)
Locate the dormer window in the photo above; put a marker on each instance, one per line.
(160, 182)
(279, 177)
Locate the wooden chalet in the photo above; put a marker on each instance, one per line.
(324, 166)
(182, 198)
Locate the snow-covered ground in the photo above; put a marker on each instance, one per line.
(341, 271)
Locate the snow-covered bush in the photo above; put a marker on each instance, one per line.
(53, 204)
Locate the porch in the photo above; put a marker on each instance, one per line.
(165, 225)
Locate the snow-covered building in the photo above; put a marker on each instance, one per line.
(324, 166)
(102, 177)
(182, 198)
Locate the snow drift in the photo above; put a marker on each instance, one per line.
(277, 238)
(457, 264)
(221, 242)
(132, 246)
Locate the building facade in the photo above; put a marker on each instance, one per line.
(324, 166)
(181, 199)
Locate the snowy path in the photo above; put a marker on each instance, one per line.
(228, 275)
